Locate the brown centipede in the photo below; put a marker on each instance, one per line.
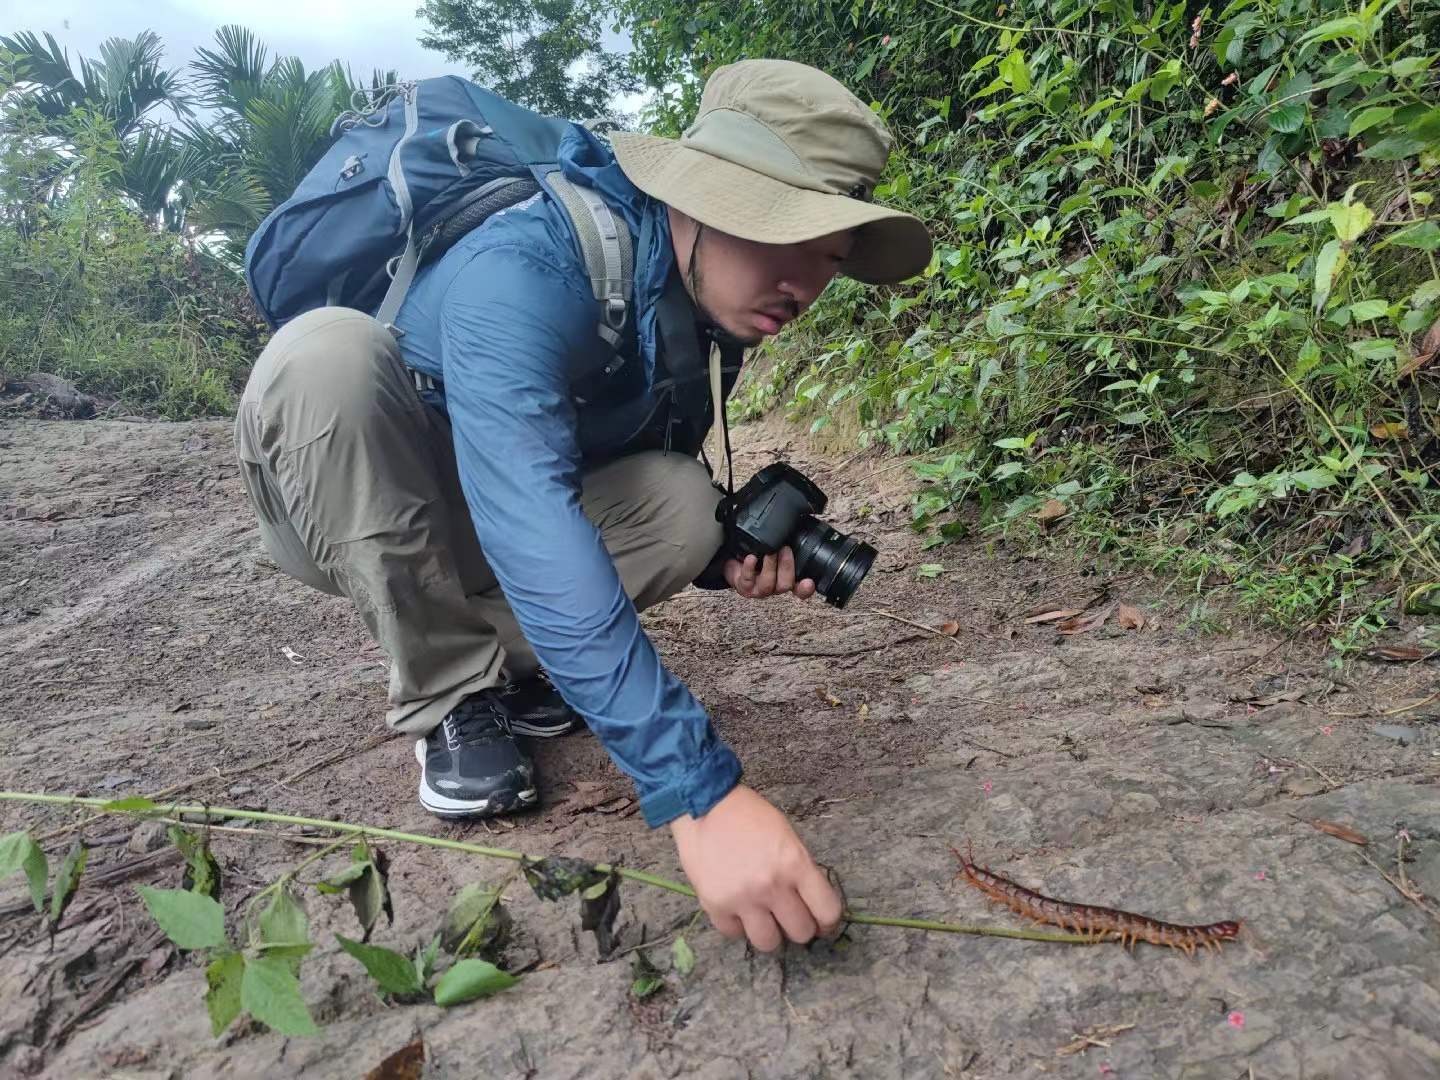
(1099, 923)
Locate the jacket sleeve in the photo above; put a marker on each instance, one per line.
(511, 329)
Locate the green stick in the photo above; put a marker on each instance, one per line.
(107, 806)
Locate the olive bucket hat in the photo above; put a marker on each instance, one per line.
(781, 153)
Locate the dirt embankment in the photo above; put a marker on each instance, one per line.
(149, 643)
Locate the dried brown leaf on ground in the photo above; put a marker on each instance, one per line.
(1129, 617)
(1051, 512)
(1340, 832)
(407, 1063)
(1052, 616)
(1396, 654)
(1087, 621)
(949, 629)
(1092, 1036)
(827, 697)
(1390, 431)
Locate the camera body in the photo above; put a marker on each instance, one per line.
(776, 509)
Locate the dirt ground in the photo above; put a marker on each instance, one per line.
(1164, 770)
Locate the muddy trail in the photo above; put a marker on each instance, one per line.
(150, 646)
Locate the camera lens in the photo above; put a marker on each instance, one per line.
(835, 562)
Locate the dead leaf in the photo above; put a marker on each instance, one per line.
(1390, 431)
(949, 629)
(1051, 616)
(865, 711)
(828, 697)
(1051, 512)
(1086, 621)
(407, 1063)
(1395, 653)
(1340, 832)
(1275, 699)
(589, 795)
(1428, 350)
(1129, 617)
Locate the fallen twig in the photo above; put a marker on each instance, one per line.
(848, 652)
(1409, 893)
(107, 986)
(916, 625)
(346, 828)
(1387, 712)
(340, 755)
(1092, 1036)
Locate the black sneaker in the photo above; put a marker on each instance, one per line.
(471, 765)
(536, 708)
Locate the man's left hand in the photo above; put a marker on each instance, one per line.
(754, 579)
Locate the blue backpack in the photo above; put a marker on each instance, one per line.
(415, 167)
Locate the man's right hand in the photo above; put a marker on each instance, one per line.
(752, 873)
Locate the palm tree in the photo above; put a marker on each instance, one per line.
(121, 91)
(271, 125)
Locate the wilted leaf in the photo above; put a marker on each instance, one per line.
(392, 972)
(19, 852)
(1051, 512)
(599, 907)
(1340, 832)
(190, 920)
(270, 992)
(477, 922)
(949, 629)
(1086, 621)
(559, 875)
(1052, 616)
(407, 1063)
(222, 998)
(370, 894)
(1429, 349)
(283, 921)
(646, 977)
(1129, 617)
(682, 956)
(829, 698)
(66, 879)
(202, 872)
(1388, 432)
(471, 979)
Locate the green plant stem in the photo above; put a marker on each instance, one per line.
(368, 831)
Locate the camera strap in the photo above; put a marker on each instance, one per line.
(722, 421)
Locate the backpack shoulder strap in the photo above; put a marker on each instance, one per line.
(609, 257)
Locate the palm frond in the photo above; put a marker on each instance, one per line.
(231, 75)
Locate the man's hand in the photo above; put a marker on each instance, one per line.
(753, 579)
(752, 873)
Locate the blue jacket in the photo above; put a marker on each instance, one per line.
(507, 320)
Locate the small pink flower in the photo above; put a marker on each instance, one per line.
(1236, 1019)
(914, 701)
(1259, 875)
(1250, 710)
(885, 40)
(1106, 1069)
(1328, 729)
(987, 787)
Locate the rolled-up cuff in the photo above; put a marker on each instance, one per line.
(712, 778)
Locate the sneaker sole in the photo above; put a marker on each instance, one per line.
(520, 727)
(470, 808)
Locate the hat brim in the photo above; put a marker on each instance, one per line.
(890, 245)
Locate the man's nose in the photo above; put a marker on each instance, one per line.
(803, 284)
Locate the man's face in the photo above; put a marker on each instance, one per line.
(751, 290)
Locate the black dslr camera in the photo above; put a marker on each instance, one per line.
(776, 509)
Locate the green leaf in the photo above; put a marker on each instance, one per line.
(1365, 119)
(929, 570)
(425, 960)
(646, 977)
(370, 894)
(1350, 219)
(558, 875)
(339, 882)
(1328, 264)
(270, 992)
(1373, 348)
(1311, 479)
(1365, 310)
(1410, 65)
(190, 920)
(599, 907)
(1289, 118)
(1394, 148)
(222, 1000)
(66, 879)
(132, 804)
(283, 921)
(477, 922)
(19, 852)
(1424, 235)
(682, 956)
(471, 979)
(394, 973)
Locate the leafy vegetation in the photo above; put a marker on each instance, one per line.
(1185, 268)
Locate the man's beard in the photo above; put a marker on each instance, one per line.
(719, 333)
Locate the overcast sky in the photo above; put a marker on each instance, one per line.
(367, 34)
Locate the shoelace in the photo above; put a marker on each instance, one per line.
(474, 721)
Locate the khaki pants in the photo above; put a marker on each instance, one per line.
(354, 481)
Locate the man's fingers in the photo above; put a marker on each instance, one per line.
(794, 917)
(761, 929)
(805, 589)
(765, 583)
(822, 900)
(729, 925)
(785, 571)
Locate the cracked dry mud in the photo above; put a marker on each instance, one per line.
(143, 629)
